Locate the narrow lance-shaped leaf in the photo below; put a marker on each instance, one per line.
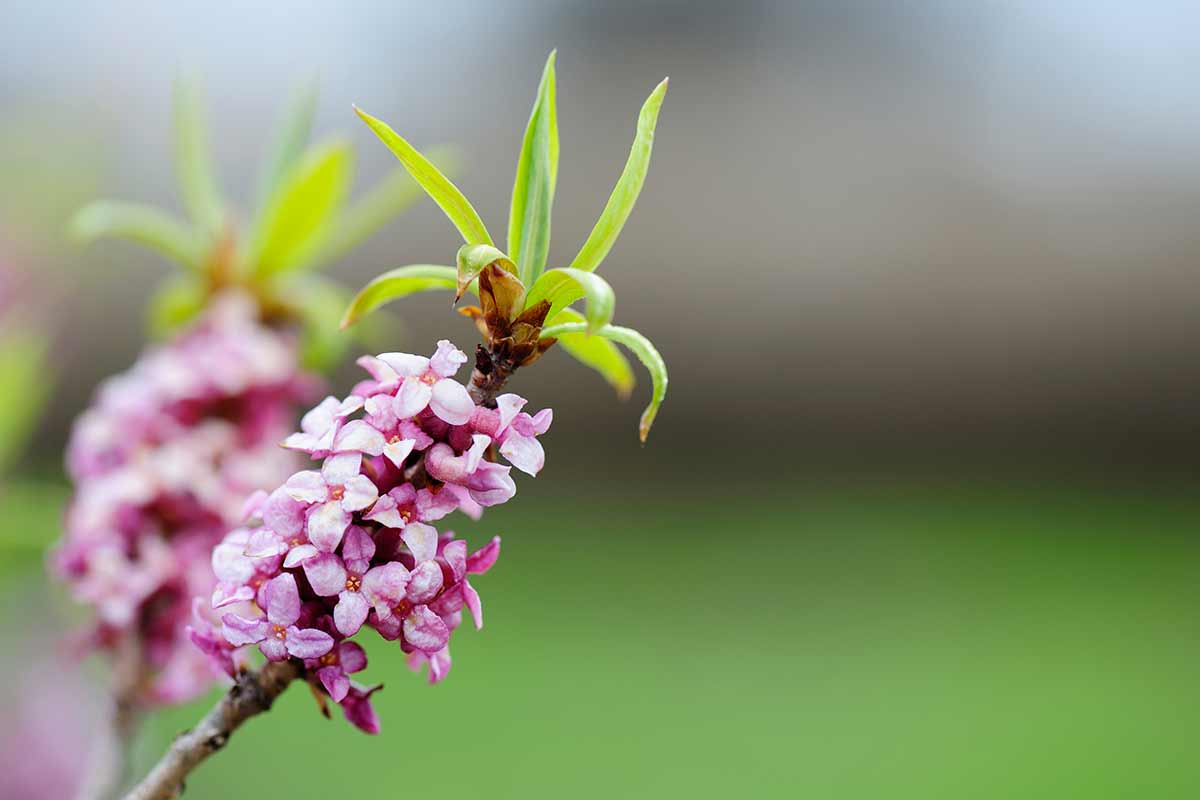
(290, 141)
(565, 285)
(472, 259)
(533, 189)
(597, 353)
(378, 207)
(436, 185)
(642, 348)
(628, 187)
(148, 226)
(397, 283)
(193, 160)
(293, 225)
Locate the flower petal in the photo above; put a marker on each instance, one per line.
(413, 397)
(283, 600)
(274, 649)
(359, 436)
(447, 360)
(422, 540)
(405, 365)
(239, 631)
(523, 452)
(263, 543)
(299, 554)
(482, 559)
(326, 574)
(471, 599)
(358, 548)
(335, 681)
(425, 630)
(308, 642)
(350, 612)
(230, 564)
(359, 493)
(284, 514)
(340, 468)
(326, 524)
(385, 585)
(352, 657)
(307, 487)
(508, 405)
(425, 581)
(451, 402)
(398, 451)
(385, 513)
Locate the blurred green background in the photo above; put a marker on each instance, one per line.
(919, 516)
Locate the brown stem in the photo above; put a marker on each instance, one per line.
(489, 376)
(253, 693)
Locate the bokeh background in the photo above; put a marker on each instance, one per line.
(918, 518)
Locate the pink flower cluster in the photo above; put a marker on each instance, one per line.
(350, 546)
(162, 464)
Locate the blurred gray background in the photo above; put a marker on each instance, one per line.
(934, 231)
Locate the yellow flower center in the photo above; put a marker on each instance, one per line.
(353, 583)
(279, 632)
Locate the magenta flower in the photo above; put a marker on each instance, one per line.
(356, 584)
(277, 636)
(358, 710)
(162, 464)
(334, 668)
(337, 491)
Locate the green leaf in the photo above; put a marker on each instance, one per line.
(533, 190)
(290, 141)
(148, 226)
(565, 285)
(471, 260)
(397, 283)
(597, 353)
(379, 206)
(23, 386)
(436, 185)
(641, 347)
(629, 185)
(296, 220)
(193, 161)
(175, 302)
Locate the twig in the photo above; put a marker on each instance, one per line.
(252, 694)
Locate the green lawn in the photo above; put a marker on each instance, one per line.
(841, 642)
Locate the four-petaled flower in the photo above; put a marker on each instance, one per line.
(277, 636)
(339, 489)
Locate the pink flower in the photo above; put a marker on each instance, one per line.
(338, 490)
(404, 504)
(277, 636)
(424, 382)
(354, 582)
(320, 425)
(333, 669)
